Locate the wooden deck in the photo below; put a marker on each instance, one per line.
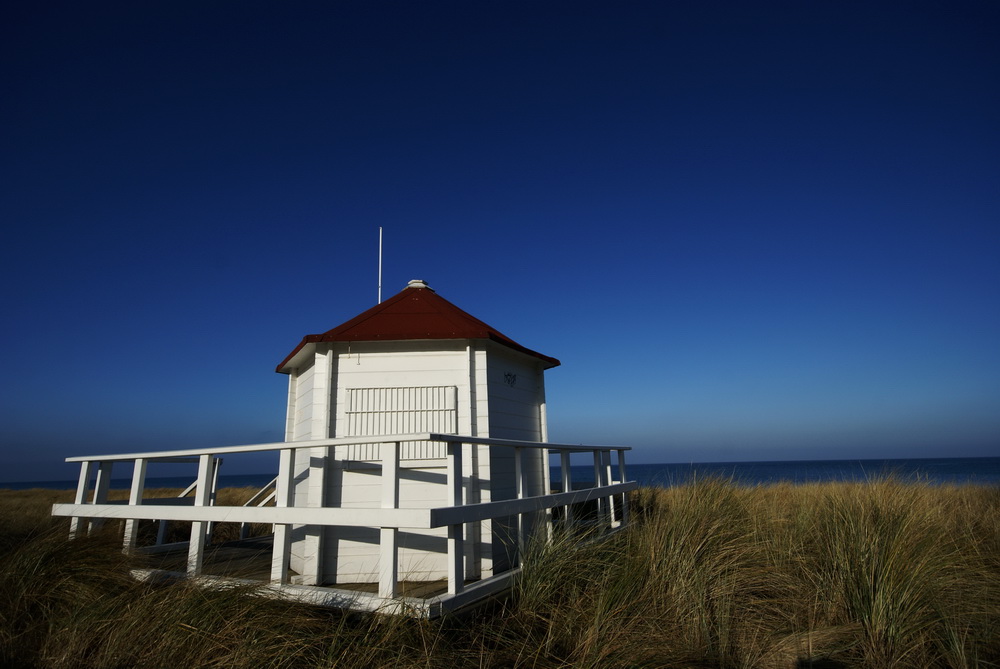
(246, 558)
(268, 561)
(250, 559)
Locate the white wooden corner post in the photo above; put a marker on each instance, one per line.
(388, 584)
(456, 541)
(322, 422)
(282, 549)
(543, 425)
(135, 499)
(199, 528)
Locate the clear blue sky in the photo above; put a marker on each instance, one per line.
(750, 231)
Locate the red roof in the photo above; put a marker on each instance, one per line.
(417, 312)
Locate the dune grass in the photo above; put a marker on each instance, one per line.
(710, 574)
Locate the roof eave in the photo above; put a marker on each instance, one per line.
(286, 365)
(549, 361)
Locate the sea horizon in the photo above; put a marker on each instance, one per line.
(974, 470)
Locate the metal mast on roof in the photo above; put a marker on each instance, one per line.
(380, 264)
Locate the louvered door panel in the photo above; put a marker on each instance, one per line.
(377, 411)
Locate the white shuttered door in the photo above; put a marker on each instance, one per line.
(378, 411)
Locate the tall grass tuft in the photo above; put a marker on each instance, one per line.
(710, 574)
(896, 565)
(713, 580)
(45, 581)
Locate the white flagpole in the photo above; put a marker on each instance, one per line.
(380, 264)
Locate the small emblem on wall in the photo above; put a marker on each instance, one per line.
(510, 379)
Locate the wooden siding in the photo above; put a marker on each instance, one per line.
(392, 365)
(392, 388)
(310, 402)
(372, 388)
(515, 395)
(302, 423)
(301, 428)
(351, 553)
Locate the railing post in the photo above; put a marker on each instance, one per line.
(456, 540)
(77, 523)
(606, 480)
(134, 499)
(520, 487)
(547, 490)
(161, 532)
(216, 466)
(567, 485)
(283, 497)
(202, 497)
(602, 503)
(388, 578)
(624, 477)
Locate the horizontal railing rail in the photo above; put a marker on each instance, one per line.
(201, 511)
(470, 513)
(351, 517)
(298, 515)
(195, 453)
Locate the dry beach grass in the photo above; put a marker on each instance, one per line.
(877, 574)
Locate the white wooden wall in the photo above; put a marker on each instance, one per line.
(516, 399)
(516, 395)
(309, 418)
(452, 386)
(419, 389)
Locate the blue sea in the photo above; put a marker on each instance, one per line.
(983, 471)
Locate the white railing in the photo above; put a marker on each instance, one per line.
(607, 492)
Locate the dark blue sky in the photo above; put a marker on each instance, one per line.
(750, 231)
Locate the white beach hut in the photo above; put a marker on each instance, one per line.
(413, 363)
(415, 468)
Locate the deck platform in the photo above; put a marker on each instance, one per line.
(246, 560)
(600, 507)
